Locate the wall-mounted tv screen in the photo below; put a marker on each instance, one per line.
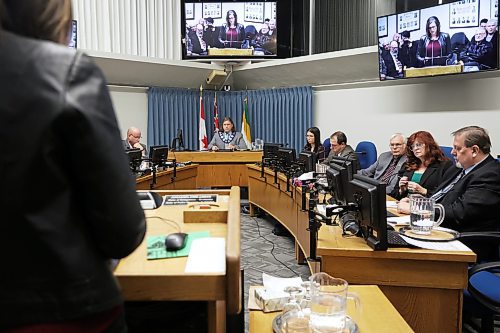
(72, 38)
(230, 29)
(453, 38)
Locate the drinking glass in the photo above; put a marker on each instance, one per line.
(422, 214)
(295, 322)
(329, 303)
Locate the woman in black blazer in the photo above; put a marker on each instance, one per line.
(424, 169)
(314, 145)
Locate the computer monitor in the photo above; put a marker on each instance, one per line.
(134, 156)
(348, 163)
(158, 154)
(271, 149)
(338, 182)
(178, 141)
(368, 195)
(307, 159)
(286, 156)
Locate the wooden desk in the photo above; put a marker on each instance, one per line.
(377, 314)
(433, 70)
(185, 179)
(165, 279)
(230, 51)
(219, 169)
(425, 286)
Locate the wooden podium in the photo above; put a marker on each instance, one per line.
(213, 51)
(433, 70)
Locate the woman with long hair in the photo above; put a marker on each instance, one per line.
(313, 143)
(424, 168)
(232, 33)
(228, 138)
(435, 46)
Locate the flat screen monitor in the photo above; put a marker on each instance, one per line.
(271, 149)
(349, 163)
(338, 182)
(286, 156)
(72, 37)
(307, 159)
(453, 38)
(178, 141)
(230, 29)
(369, 196)
(158, 154)
(134, 156)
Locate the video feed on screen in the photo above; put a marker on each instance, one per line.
(453, 38)
(230, 29)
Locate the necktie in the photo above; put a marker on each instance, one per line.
(442, 192)
(389, 171)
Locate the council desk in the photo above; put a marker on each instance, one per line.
(165, 279)
(425, 286)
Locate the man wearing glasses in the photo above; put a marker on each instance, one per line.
(388, 163)
(133, 141)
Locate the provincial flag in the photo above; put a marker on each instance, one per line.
(245, 124)
(202, 130)
(216, 114)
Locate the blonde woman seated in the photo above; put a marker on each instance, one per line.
(228, 138)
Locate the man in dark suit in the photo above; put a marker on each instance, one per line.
(470, 193)
(133, 141)
(339, 147)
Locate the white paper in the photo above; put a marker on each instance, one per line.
(207, 255)
(399, 220)
(306, 176)
(439, 246)
(391, 204)
(276, 285)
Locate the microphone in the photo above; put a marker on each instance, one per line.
(349, 224)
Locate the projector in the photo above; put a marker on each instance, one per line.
(216, 77)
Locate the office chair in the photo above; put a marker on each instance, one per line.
(327, 145)
(482, 296)
(367, 154)
(447, 152)
(459, 42)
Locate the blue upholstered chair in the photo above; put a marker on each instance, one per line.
(447, 152)
(327, 145)
(367, 154)
(482, 296)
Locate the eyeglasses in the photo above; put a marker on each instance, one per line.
(417, 146)
(395, 144)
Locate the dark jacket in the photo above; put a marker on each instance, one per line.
(318, 150)
(476, 52)
(68, 200)
(235, 43)
(408, 54)
(431, 179)
(444, 41)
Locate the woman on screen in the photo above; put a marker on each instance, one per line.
(232, 34)
(228, 138)
(423, 171)
(434, 48)
(313, 138)
(79, 215)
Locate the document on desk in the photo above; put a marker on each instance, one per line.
(391, 204)
(207, 255)
(439, 246)
(399, 220)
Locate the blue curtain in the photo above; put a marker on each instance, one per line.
(276, 115)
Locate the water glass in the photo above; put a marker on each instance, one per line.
(329, 303)
(295, 322)
(259, 144)
(422, 214)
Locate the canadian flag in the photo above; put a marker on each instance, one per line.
(202, 130)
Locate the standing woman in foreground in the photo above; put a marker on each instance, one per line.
(313, 144)
(68, 200)
(423, 172)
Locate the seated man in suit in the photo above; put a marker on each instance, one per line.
(132, 141)
(470, 193)
(339, 147)
(388, 163)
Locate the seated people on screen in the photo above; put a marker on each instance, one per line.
(389, 163)
(470, 192)
(228, 138)
(492, 37)
(133, 141)
(232, 33)
(407, 54)
(434, 48)
(339, 147)
(477, 52)
(211, 33)
(264, 43)
(313, 144)
(397, 38)
(197, 44)
(394, 67)
(424, 170)
(84, 210)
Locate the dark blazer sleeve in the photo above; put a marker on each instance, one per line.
(395, 192)
(97, 164)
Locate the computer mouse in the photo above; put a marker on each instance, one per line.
(175, 241)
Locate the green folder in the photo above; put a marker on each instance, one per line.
(156, 246)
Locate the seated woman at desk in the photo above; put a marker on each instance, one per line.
(313, 137)
(227, 139)
(424, 169)
(434, 48)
